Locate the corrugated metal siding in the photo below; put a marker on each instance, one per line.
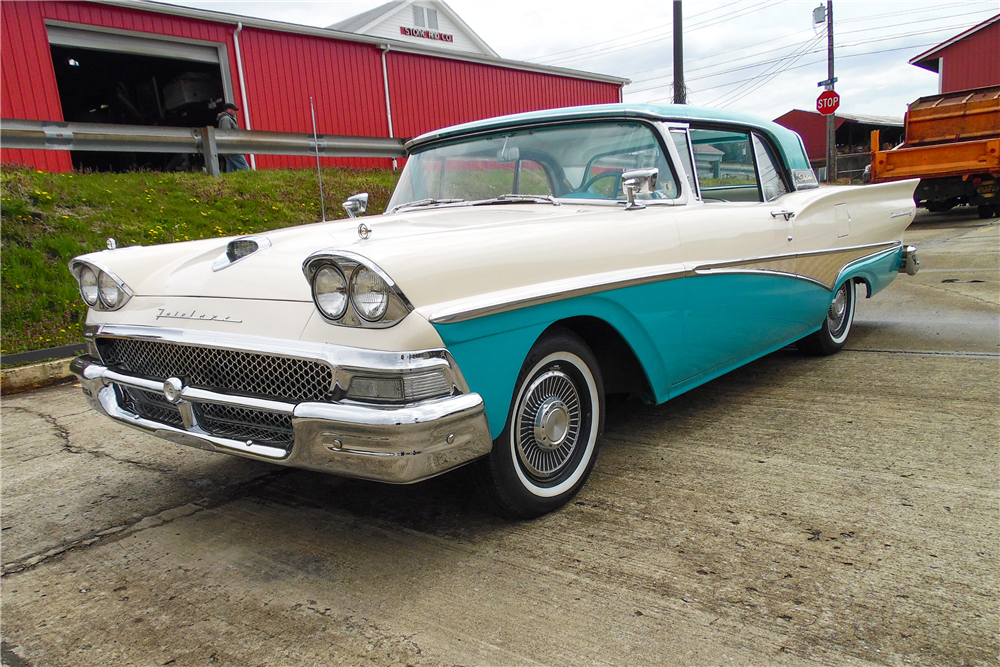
(282, 70)
(972, 62)
(345, 79)
(429, 93)
(29, 80)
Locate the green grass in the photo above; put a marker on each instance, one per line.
(47, 219)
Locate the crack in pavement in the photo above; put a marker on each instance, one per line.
(63, 434)
(932, 353)
(162, 517)
(956, 293)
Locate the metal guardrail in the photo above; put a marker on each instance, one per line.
(209, 141)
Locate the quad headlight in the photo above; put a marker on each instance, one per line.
(99, 287)
(330, 292)
(369, 293)
(351, 291)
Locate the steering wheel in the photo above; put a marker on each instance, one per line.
(604, 174)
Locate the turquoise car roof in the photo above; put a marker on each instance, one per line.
(790, 144)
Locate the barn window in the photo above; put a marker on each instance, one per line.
(425, 17)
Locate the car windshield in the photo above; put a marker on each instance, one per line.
(583, 161)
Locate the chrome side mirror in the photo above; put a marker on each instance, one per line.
(356, 204)
(638, 181)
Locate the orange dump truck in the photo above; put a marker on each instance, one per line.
(953, 146)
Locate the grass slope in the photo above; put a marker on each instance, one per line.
(47, 219)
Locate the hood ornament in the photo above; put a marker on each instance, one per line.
(364, 231)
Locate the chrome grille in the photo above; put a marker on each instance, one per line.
(223, 421)
(249, 373)
(149, 405)
(263, 428)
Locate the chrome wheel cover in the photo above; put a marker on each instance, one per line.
(548, 424)
(836, 318)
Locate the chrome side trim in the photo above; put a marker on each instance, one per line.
(501, 302)
(819, 267)
(345, 361)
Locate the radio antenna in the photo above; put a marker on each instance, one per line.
(319, 172)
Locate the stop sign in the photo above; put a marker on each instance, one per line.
(827, 102)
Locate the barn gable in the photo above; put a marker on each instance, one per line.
(427, 23)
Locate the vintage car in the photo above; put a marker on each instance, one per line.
(527, 267)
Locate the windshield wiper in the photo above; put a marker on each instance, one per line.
(512, 198)
(424, 202)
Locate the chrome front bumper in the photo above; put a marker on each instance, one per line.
(396, 444)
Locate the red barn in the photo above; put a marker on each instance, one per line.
(967, 60)
(142, 63)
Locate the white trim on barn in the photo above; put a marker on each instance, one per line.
(427, 23)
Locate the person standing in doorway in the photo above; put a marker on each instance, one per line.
(226, 120)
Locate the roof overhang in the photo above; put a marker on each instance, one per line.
(379, 42)
(929, 59)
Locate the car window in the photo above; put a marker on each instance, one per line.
(470, 178)
(575, 161)
(724, 161)
(680, 139)
(770, 180)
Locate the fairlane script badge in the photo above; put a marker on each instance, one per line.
(194, 315)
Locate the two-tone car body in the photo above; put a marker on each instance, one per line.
(527, 266)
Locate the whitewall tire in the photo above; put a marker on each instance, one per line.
(549, 444)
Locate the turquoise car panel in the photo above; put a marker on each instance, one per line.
(877, 272)
(684, 332)
(729, 318)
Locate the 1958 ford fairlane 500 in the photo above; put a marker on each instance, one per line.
(527, 267)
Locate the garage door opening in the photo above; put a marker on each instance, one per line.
(109, 85)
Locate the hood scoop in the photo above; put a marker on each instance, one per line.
(240, 248)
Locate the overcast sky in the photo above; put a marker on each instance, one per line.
(760, 56)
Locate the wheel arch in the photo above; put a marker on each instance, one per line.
(621, 370)
(491, 350)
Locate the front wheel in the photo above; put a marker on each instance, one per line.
(832, 336)
(549, 445)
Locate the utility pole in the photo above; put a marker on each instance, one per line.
(831, 124)
(680, 97)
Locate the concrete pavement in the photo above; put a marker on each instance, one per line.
(838, 511)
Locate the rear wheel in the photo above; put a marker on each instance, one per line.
(549, 445)
(987, 211)
(832, 336)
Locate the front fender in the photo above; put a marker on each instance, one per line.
(491, 349)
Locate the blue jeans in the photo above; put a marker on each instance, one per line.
(235, 163)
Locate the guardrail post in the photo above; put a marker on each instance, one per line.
(210, 151)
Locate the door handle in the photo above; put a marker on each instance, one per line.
(787, 215)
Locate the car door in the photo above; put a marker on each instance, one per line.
(739, 251)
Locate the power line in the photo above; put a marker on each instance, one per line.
(849, 32)
(613, 49)
(803, 65)
(770, 74)
(782, 59)
(550, 56)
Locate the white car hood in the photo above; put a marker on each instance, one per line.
(414, 248)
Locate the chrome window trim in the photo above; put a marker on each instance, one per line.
(655, 125)
(346, 362)
(566, 289)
